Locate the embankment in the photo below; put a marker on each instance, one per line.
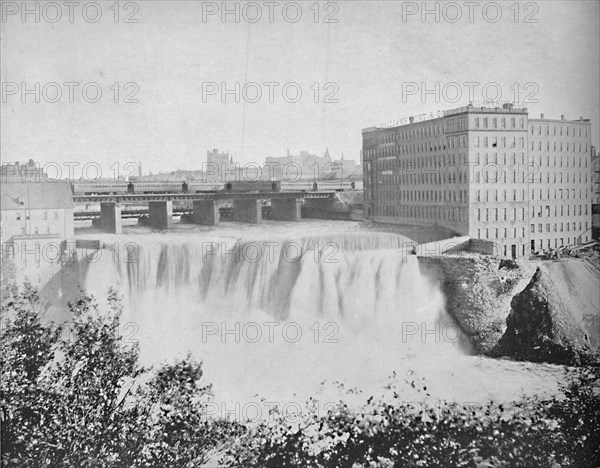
(535, 311)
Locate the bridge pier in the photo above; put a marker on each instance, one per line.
(206, 212)
(285, 209)
(161, 214)
(247, 211)
(110, 218)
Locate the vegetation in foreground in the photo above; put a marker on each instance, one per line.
(84, 401)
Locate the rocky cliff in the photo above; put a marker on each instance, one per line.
(538, 311)
(555, 318)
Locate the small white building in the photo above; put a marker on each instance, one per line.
(36, 222)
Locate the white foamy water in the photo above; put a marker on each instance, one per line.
(283, 311)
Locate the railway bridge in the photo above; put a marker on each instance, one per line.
(247, 207)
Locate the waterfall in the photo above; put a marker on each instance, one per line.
(276, 314)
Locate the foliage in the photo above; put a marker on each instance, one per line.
(530, 433)
(83, 400)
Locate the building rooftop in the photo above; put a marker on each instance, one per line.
(505, 109)
(36, 195)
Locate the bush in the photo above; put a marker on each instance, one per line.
(530, 433)
(84, 401)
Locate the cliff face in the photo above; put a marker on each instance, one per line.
(478, 292)
(555, 318)
(542, 311)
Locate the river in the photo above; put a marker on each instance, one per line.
(279, 312)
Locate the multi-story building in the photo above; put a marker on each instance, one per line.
(595, 194)
(486, 173)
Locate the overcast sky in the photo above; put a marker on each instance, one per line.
(369, 55)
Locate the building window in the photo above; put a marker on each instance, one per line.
(18, 216)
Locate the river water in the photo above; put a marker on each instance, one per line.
(279, 312)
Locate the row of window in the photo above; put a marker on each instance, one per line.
(388, 178)
(495, 122)
(505, 233)
(422, 131)
(504, 214)
(537, 246)
(437, 213)
(44, 216)
(558, 146)
(583, 210)
(36, 230)
(497, 232)
(560, 227)
(562, 129)
(418, 148)
(560, 194)
(497, 213)
(558, 161)
(512, 195)
(457, 196)
(495, 142)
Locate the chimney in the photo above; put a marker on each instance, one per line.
(580, 118)
(562, 117)
(542, 116)
(411, 119)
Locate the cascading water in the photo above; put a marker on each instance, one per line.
(276, 316)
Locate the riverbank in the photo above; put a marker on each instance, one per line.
(542, 311)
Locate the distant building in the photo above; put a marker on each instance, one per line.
(343, 168)
(307, 166)
(486, 173)
(219, 166)
(21, 172)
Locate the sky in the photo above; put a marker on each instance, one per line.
(357, 64)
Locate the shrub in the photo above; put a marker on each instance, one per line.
(85, 401)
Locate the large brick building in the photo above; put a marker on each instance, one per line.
(487, 173)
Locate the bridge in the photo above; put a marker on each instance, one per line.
(206, 207)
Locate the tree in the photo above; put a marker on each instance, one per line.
(83, 399)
